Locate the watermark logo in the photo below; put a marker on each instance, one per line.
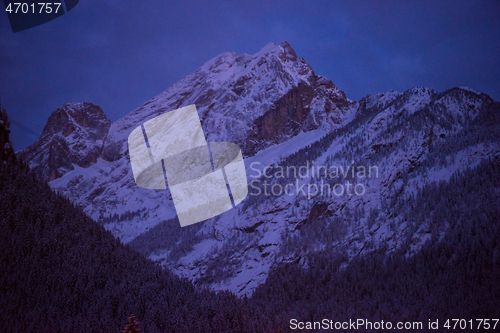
(309, 180)
(25, 15)
(205, 179)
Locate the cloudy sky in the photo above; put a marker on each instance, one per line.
(120, 53)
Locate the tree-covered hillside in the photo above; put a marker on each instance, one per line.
(63, 272)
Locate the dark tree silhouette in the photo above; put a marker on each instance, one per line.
(132, 326)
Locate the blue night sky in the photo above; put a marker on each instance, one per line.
(118, 54)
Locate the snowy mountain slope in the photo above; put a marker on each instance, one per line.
(411, 141)
(284, 116)
(232, 94)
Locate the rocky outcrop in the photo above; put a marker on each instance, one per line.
(74, 135)
(284, 119)
(303, 108)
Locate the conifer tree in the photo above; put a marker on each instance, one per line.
(132, 325)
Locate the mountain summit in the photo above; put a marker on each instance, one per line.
(252, 100)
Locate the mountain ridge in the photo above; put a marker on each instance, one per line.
(413, 138)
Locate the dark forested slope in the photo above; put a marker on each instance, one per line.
(62, 272)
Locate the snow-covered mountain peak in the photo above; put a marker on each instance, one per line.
(470, 90)
(228, 66)
(420, 91)
(235, 95)
(380, 99)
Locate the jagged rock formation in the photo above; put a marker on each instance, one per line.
(74, 135)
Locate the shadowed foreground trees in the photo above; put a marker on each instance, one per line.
(63, 272)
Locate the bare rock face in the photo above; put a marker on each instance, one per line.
(303, 108)
(74, 135)
(286, 116)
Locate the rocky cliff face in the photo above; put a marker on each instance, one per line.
(73, 136)
(303, 108)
